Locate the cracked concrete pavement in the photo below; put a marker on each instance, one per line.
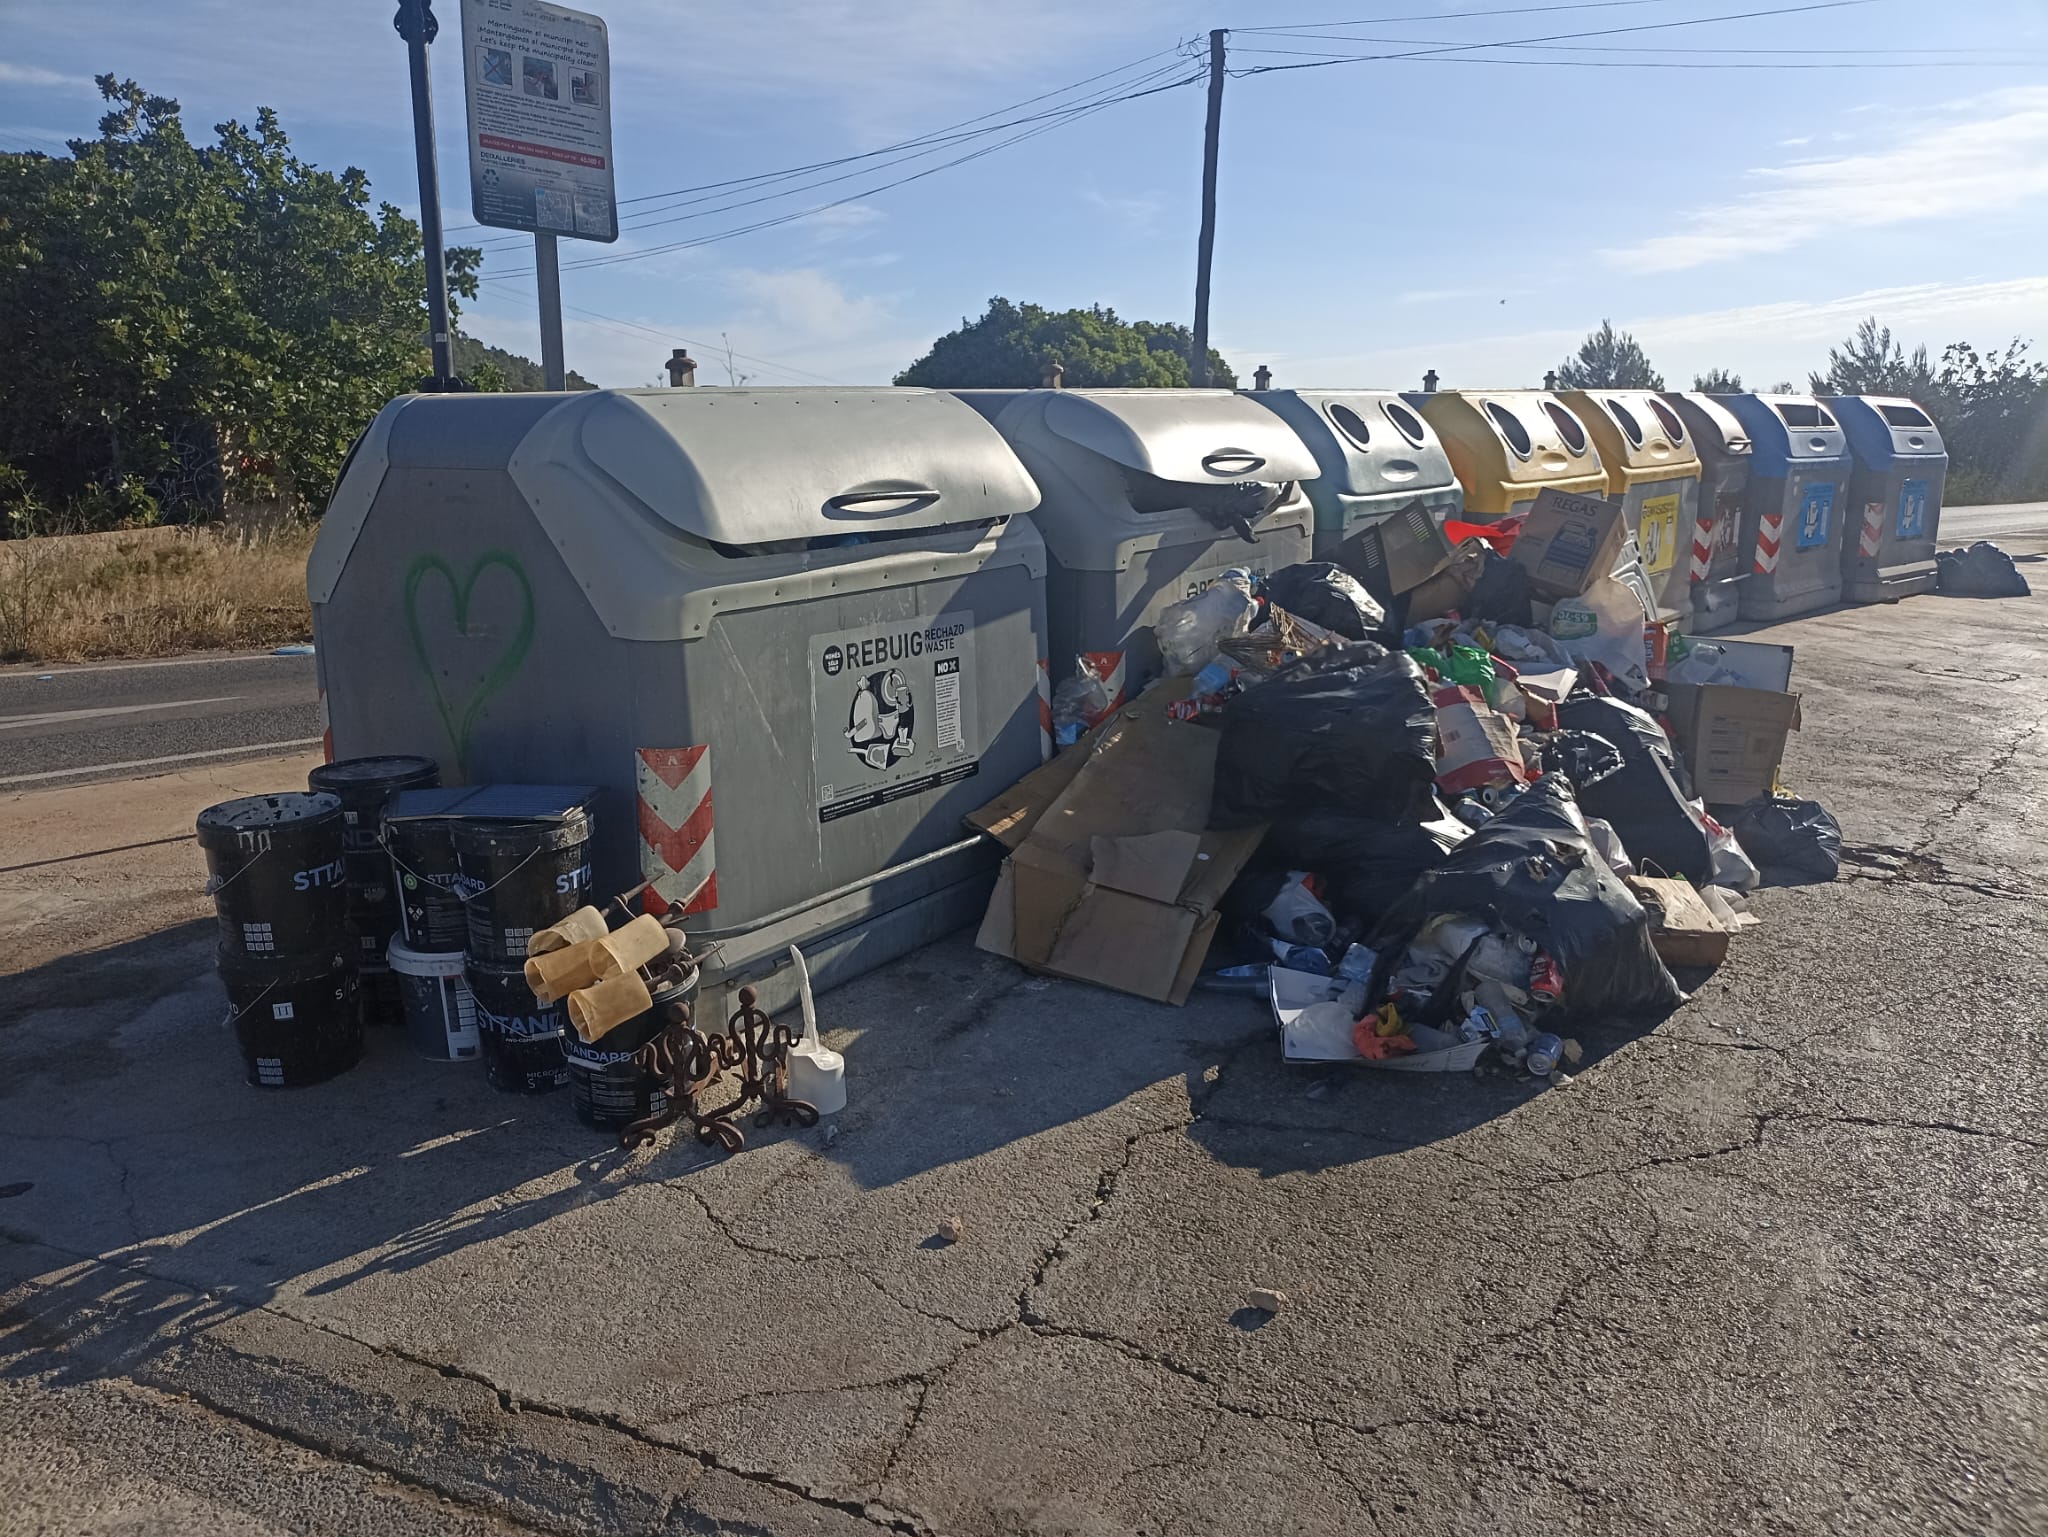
(1774, 1265)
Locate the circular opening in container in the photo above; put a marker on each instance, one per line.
(1668, 420)
(1510, 427)
(1569, 427)
(1406, 422)
(1351, 424)
(1626, 420)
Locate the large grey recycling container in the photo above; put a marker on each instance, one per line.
(1798, 490)
(792, 635)
(1717, 563)
(1384, 485)
(1895, 491)
(1140, 489)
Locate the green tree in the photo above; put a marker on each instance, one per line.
(185, 324)
(495, 369)
(1717, 381)
(1008, 347)
(1608, 360)
(1871, 363)
(1992, 409)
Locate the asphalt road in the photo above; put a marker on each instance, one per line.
(1770, 1266)
(63, 725)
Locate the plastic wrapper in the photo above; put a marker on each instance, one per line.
(1604, 624)
(1350, 729)
(1078, 703)
(1329, 596)
(1189, 631)
(1732, 867)
(1793, 842)
(1532, 872)
(1643, 801)
(1611, 848)
(1297, 914)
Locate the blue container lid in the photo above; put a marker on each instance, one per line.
(1789, 431)
(1885, 430)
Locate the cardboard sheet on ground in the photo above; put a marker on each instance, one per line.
(1113, 876)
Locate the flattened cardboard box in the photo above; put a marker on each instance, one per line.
(1113, 875)
(1734, 738)
(1569, 542)
(1683, 929)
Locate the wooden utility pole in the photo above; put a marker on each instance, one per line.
(1198, 365)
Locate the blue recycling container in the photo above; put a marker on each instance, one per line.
(1900, 468)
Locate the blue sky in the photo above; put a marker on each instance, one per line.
(1377, 218)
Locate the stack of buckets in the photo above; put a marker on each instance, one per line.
(276, 870)
(364, 786)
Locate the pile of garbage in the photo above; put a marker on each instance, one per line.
(1485, 814)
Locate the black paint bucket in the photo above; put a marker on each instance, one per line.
(294, 1017)
(363, 785)
(521, 1039)
(518, 876)
(426, 878)
(275, 869)
(608, 1089)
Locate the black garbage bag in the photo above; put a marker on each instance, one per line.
(1329, 596)
(1643, 802)
(1533, 871)
(1348, 729)
(1582, 757)
(1981, 571)
(1501, 594)
(1791, 842)
(1366, 862)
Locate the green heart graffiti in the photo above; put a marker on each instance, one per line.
(501, 670)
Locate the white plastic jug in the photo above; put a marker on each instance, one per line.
(817, 1074)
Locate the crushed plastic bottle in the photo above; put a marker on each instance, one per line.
(1188, 631)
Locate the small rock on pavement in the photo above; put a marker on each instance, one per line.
(952, 1229)
(1266, 1299)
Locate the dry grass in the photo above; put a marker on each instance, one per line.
(153, 593)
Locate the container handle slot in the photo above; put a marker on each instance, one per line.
(880, 501)
(1232, 461)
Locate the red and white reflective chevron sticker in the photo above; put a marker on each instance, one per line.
(1769, 536)
(1873, 530)
(1109, 667)
(1702, 548)
(1044, 710)
(678, 859)
(326, 731)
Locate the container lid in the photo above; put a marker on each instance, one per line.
(752, 467)
(1784, 428)
(1711, 421)
(1883, 429)
(1195, 437)
(390, 772)
(254, 813)
(1365, 442)
(408, 962)
(1635, 429)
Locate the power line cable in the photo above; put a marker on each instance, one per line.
(1343, 58)
(804, 213)
(940, 144)
(1555, 37)
(1518, 10)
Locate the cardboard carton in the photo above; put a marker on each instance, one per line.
(1733, 737)
(1683, 928)
(1569, 542)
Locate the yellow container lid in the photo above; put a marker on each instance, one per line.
(1639, 436)
(1506, 445)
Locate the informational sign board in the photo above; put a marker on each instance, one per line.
(891, 714)
(540, 119)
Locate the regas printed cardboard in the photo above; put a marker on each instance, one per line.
(1568, 542)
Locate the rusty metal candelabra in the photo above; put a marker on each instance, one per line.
(687, 1063)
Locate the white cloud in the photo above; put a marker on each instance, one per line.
(1138, 213)
(806, 302)
(1990, 153)
(848, 221)
(33, 76)
(1802, 139)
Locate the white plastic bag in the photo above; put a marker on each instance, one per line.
(1188, 631)
(1298, 915)
(1732, 867)
(1608, 842)
(1605, 624)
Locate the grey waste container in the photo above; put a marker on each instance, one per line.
(1798, 493)
(1384, 486)
(1716, 563)
(791, 635)
(1895, 491)
(1139, 489)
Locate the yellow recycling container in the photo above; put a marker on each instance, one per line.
(1506, 445)
(1653, 470)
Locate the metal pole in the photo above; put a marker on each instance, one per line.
(547, 277)
(416, 24)
(1198, 365)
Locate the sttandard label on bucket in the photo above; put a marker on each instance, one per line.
(891, 712)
